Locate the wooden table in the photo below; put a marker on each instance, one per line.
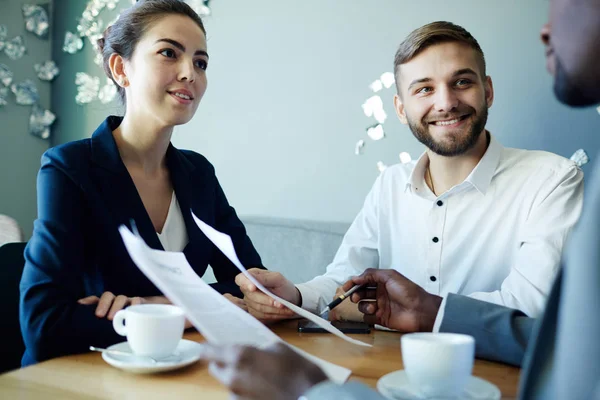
(87, 376)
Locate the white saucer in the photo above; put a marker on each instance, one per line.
(396, 386)
(186, 353)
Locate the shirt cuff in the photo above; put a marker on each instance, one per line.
(439, 317)
(311, 298)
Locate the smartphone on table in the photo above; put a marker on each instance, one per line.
(307, 326)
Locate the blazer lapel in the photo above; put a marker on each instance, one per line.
(115, 186)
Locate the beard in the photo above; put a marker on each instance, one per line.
(566, 92)
(460, 141)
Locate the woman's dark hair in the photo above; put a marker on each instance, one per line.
(123, 36)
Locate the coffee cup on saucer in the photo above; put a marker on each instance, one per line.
(438, 364)
(152, 330)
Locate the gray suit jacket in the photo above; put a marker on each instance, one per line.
(563, 359)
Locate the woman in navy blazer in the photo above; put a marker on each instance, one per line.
(78, 272)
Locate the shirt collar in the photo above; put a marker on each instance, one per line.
(480, 178)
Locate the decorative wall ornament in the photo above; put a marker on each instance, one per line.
(405, 158)
(108, 92)
(580, 157)
(3, 36)
(373, 107)
(73, 43)
(40, 121)
(3, 96)
(200, 6)
(36, 19)
(375, 132)
(46, 71)
(358, 147)
(6, 75)
(25, 92)
(14, 48)
(87, 88)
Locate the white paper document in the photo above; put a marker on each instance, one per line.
(216, 318)
(224, 243)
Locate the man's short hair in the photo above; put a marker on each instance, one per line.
(431, 34)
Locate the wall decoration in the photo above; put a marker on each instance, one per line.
(108, 92)
(72, 44)
(36, 19)
(358, 147)
(580, 157)
(87, 88)
(405, 158)
(373, 108)
(375, 132)
(6, 75)
(40, 121)
(3, 96)
(25, 92)
(200, 6)
(15, 48)
(3, 36)
(46, 71)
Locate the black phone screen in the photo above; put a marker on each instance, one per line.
(307, 326)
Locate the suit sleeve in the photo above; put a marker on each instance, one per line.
(501, 333)
(52, 322)
(227, 221)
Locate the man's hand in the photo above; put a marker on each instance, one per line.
(399, 303)
(277, 372)
(262, 306)
(346, 310)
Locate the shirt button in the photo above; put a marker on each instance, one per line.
(440, 203)
(432, 278)
(435, 239)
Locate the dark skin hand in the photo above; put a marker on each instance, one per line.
(276, 372)
(397, 303)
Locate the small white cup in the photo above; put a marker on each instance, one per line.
(152, 330)
(438, 364)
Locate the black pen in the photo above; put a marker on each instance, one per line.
(341, 298)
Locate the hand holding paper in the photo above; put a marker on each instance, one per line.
(224, 243)
(219, 320)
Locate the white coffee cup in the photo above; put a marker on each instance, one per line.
(438, 364)
(152, 330)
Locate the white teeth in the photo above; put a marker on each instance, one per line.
(183, 96)
(444, 123)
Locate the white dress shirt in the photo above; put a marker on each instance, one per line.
(174, 236)
(497, 236)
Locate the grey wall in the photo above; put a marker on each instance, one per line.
(287, 79)
(20, 152)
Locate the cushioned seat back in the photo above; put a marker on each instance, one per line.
(299, 249)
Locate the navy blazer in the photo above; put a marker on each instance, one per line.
(84, 194)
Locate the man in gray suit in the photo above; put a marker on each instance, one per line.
(563, 358)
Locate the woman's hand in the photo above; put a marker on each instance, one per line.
(108, 304)
(237, 301)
